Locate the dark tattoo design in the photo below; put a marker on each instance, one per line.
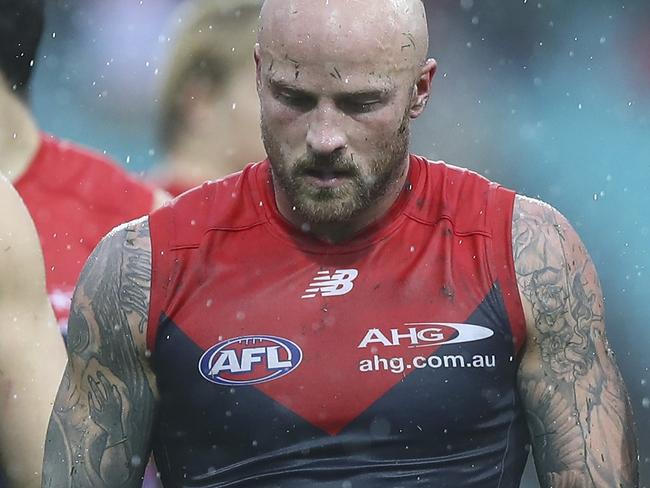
(577, 406)
(103, 414)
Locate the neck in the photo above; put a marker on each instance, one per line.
(204, 156)
(19, 136)
(338, 232)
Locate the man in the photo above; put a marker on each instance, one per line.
(74, 196)
(209, 123)
(30, 342)
(344, 314)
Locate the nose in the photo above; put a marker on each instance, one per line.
(325, 134)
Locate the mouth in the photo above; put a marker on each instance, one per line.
(327, 177)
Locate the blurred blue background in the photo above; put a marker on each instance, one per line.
(551, 98)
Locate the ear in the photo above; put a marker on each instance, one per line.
(422, 88)
(258, 66)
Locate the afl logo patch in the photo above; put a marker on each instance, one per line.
(249, 360)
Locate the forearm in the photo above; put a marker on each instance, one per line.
(590, 447)
(80, 452)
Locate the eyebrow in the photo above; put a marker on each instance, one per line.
(379, 92)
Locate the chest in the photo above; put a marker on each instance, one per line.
(327, 336)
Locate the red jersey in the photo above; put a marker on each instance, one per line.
(388, 360)
(75, 197)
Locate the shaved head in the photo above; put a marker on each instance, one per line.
(335, 30)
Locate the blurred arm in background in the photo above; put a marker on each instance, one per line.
(32, 354)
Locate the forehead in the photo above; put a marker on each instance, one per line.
(339, 31)
(329, 76)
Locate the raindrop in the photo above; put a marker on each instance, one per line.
(645, 402)
(136, 460)
(466, 4)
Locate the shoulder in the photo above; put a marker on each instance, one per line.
(231, 203)
(21, 260)
(92, 176)
(541, 234)
(132, 236)
(552, 265)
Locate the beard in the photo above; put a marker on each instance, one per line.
(361, 188)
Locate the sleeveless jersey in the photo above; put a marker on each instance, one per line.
(387, 361)
(75, 197)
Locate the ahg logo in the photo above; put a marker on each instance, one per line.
(426, 334)
(339, 283)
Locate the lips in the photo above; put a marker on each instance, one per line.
(326, 174)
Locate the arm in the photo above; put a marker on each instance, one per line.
(99, 432)
(577, 407)
(32, 355)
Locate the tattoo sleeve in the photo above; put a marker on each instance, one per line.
(578, 410)
(103, 414)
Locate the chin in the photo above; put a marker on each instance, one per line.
(332, 211)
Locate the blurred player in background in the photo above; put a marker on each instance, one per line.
(75, 196)
(30, 345)
(209, 122)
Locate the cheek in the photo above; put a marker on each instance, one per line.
(377, 129)
(286, 124)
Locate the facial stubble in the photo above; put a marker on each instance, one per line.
(361, 190)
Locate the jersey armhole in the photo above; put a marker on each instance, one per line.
(159, 230)
(502, 266)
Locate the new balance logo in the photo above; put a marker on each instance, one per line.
(337, 284)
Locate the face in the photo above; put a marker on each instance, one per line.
(336, 133)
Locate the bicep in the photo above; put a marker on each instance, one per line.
(577, 406)
(105, 406)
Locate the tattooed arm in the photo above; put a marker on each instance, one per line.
(100, 428)
(32, 355)
(578, 410)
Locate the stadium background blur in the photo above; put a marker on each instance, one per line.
(551, 98)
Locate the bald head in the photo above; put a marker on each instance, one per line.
(392, 32)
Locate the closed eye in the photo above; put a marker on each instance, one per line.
(294, 99)
(358, 106)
